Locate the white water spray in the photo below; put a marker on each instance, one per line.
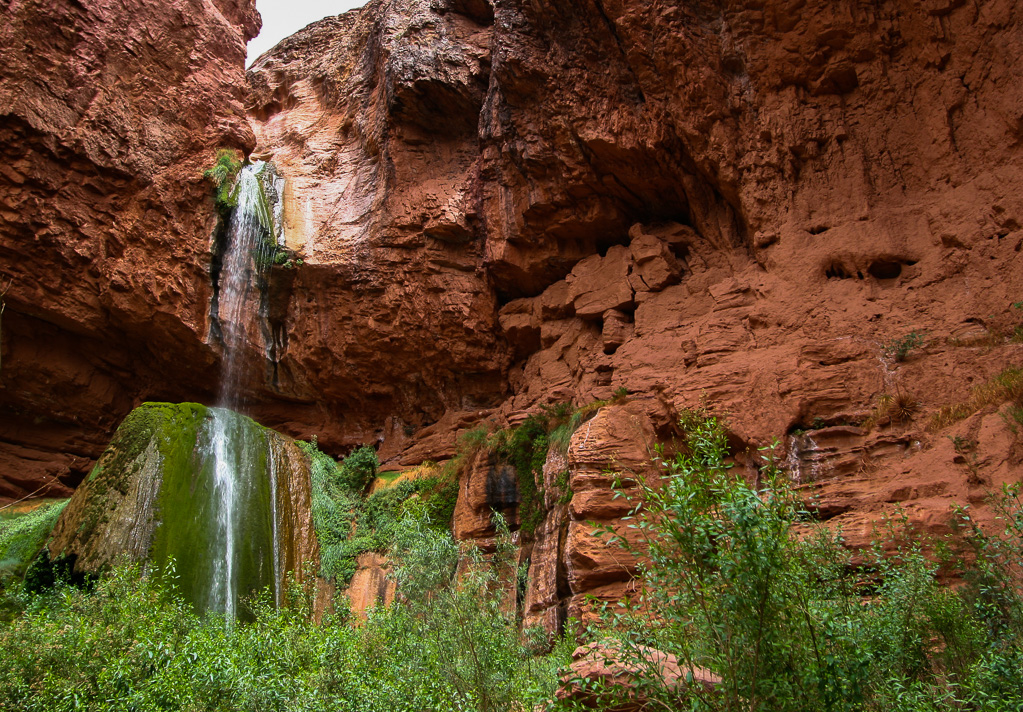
(238, 470)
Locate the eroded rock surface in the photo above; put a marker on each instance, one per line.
(110, 112)
(505, 205)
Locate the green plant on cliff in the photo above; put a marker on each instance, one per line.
(526, 448)
(787, 621)
(222, 175)
(1005, 386)
(334, 508)
(349, 523)
(465, 640)
(899, 349)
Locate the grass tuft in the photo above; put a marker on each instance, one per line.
(1007, 385)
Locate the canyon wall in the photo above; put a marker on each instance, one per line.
(746, 207)
(742, 206)
(110, 111)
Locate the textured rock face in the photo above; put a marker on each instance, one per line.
(372, 119)
(370, 585)
(110, 112)
(740, 205)
(571, 566)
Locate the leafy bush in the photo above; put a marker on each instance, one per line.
(898, 349)
(464, 637)
(23, 534)
(359, 468)
(133, 644)
(789, 623)
(222, 175)
(349, 524)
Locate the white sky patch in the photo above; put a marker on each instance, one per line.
(286, 17)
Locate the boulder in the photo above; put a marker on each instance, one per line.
(616, 677)
(598, 284)
(655, 268)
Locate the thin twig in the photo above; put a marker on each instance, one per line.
(30, 494)
(2, 305)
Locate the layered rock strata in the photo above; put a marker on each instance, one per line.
(498, 206)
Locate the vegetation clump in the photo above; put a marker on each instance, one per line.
(222, 175)
(133, 644)
(526, 448)
(23, 533)
(897, 408)
(1007, 385)
(349, 523)
(899, 349)
(789, 622)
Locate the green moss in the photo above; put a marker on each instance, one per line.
(349, 524)
(222, 174)
(23, 533)
(188, 504)
(153, 495)
(170, 427)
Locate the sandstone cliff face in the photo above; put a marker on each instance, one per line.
(502, 205)
(742, 206)
(371, 117)
(110, 111)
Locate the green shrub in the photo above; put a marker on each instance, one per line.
(899, 349)
(349, 524)
(461, 634)
(133, 644)
(783, 619)
(359, 468)
(23, 534)
(222, 175)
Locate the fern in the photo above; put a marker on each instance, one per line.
(222, 175)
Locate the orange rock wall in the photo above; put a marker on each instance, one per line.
(740, 205)
(110, 112)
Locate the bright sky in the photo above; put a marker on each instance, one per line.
(286, 17)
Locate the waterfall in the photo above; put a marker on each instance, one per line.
(244, 477)
(208, 495)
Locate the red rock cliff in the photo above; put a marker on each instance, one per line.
(742, 205)
(109, 111)
(746, 205)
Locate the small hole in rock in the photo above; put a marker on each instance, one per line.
(836, 271)
(884, 269)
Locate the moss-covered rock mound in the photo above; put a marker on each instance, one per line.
(157, 494)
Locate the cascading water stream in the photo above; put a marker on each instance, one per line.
(243, 472)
